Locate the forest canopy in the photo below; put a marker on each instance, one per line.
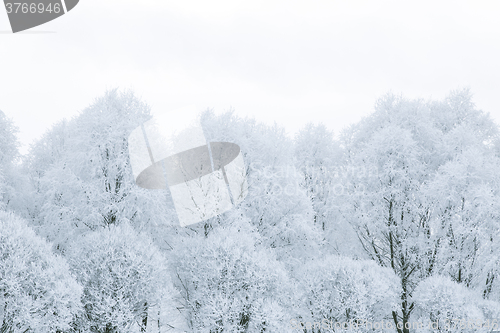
(395, 220)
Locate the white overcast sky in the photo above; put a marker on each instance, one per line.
(291, 62)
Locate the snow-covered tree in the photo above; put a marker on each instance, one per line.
(123, 274)
(402, 219)
(230, 284)
(37, 291)
(81, 174)
(43, 154)
(337, 289)
(10, 179)
(387, 207)
(465, 193)
(320, 161)
(317, 155)
(445, 306)
(276, 204)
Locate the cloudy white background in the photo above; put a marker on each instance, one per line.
(288, 62)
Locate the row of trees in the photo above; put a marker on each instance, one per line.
(396, 220)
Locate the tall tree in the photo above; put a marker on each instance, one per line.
(320, 161)
(81, 174)
(465, 193)
(276, 203)
(317, 155)
(393, 210)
